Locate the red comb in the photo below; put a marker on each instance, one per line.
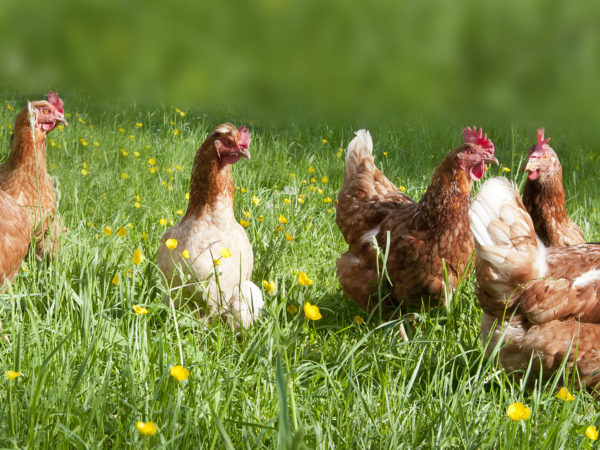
(472, 136)
(540, 138)
(245, 137)
(56, 101)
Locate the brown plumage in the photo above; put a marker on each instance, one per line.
(423, 236)
(545, 300)
(24, 175)
(15, 234)
(209, 230)
(544, 197)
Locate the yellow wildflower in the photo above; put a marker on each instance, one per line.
(518, 411)
(311, 169)
(185, 254)
(121, 232)
(327, 200)
(260, 218)
(319, 191)
(312, 311)
(358, 320)
(286, 201)
(180, 373)
(171, 244)
(115, 280)
(107, 231)
(84, 172)
(303, 279)
(152, 161)
(300, 200)
(179, 212)
(247, 214)
(163, 221)
(255, 200)
(124, 153)
(225, 253)
(244, 223)
(279, 228)
(146, 428)
(564, 394)
(11, 374)
(139, 124)
(289, 237)
(138, 205)
(243, 190)
(293, 175)
(187, 195)
(313, 180)
(178, 167)
(175, 131)
(506, 169)
(152, 169)
(124, 175)
(324, 141)
(402, 188)
(137, 257)
(217, 262)
(313, 189)
(282, 219)
(292, 309)
(591, 432)
(145, 236)
(325, 180)
(269, 287)
(140, 310)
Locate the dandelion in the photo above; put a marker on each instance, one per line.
(217, 262)
(124, 152)
(163, 221)
(289, 237)
(518, 411)
(243, 190)
(115, 280)
(269, 286)
(260, 218)
(402, 188)
(146, 428)
(152, 161)
(139, 124)
(122, 130)
(145, 236)
(247, 214)
(325, 180)
(180, 373)
(338, 154)
(137, 205)
(303, 279)
(225, 253)
(564, 394)
(282, 219)
(131, 137)
(506, 169)
(286, 201)
(279, 228)
(121, 232)
(137, 257)
(244, 223)
(179, 212)
(292, 175)
(311, 169)
(187, 195)
(140, 310)
(255, 200)
(312, 311)
(136, 154)
(124, 175)
(84, 172)
(324, 141)
(11, 374)
(319, 191)
(292, 309)
(171, 244)
(313, 180)
(385, 153)
(312, 189)
(300, 200)
(175, 131)
(327, 200)
(185, 254)
(358, 320)
(83, 142)
(178, 167)
(591, 432)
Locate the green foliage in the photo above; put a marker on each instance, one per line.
(91, 368)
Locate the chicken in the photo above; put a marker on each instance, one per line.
(538, 301)
(24, 176)
(215, 271)
(544, 197)
(15, 234)
(424, 237)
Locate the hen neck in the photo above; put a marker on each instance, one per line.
(24, 155)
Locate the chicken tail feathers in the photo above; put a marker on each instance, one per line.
(505, 238)
(360, 154)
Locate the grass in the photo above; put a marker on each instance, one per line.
(91, 368)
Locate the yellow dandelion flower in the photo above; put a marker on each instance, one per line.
(279, 228)
(124, 175)
(319, 191)
(146, 428)
(330, 210)
(385, 153)
(137, 257)
(115, 280)
(185, 254)
(325, 180)
(145, 236)
(313, 180)
(260, 218)
(129, 225)
(178, 167)
(179, 212)
(311, 169)
(338, 154)
(122, 130)
(138, 205)
(187, 195)
(180, 373)
(506, 169)
(402, 188)
(255, 200)
(121, 232)
(303, 279)
(225, 253)
(152, 161)
(324, 141)
(289, 237)
(131, 137)
(217, 262)
(292, 309)
(327, 200)
(60, 128)
(84, 172)
(312, 311)
(136, 154)
(163, 221)
(124, 152)
(303, 181)
(286, 201)
(139, 124)
(171, 244)
(282, 219)
(292, 175)
(139, 310)
(518, 411)
(107, 231)
(175, 131)
(244, 223)
(269, 287)
(358, 320)
(300, 200)
(564, 394)
(247, 214)
(591, 432)
(11, 374)
(313, 188)
(243, 190)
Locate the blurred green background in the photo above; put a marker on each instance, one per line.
(528, 60)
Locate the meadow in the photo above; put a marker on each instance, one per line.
(94, 344)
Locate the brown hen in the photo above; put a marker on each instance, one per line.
(541, 302)
(544, 197)
(424, 237)
(24, 175)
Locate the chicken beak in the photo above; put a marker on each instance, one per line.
(62, 119)
(491, 159)
(244, 152)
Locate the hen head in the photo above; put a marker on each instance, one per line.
(231, 143)
(46, 114)
(542, 158)
(477, 152)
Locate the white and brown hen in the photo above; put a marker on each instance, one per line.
(424, 236)
(219, 256)
(543, 302)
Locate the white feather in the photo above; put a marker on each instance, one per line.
(584, 279)
(360, 147)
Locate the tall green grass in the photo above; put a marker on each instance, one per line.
(91, 368)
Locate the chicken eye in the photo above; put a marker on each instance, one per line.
(545, 156)
(46, 111)
(471, 152)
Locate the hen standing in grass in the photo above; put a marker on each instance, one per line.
(540, 301)
(212, 247)
(424, 236)
(24, 175)
(544, 197)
